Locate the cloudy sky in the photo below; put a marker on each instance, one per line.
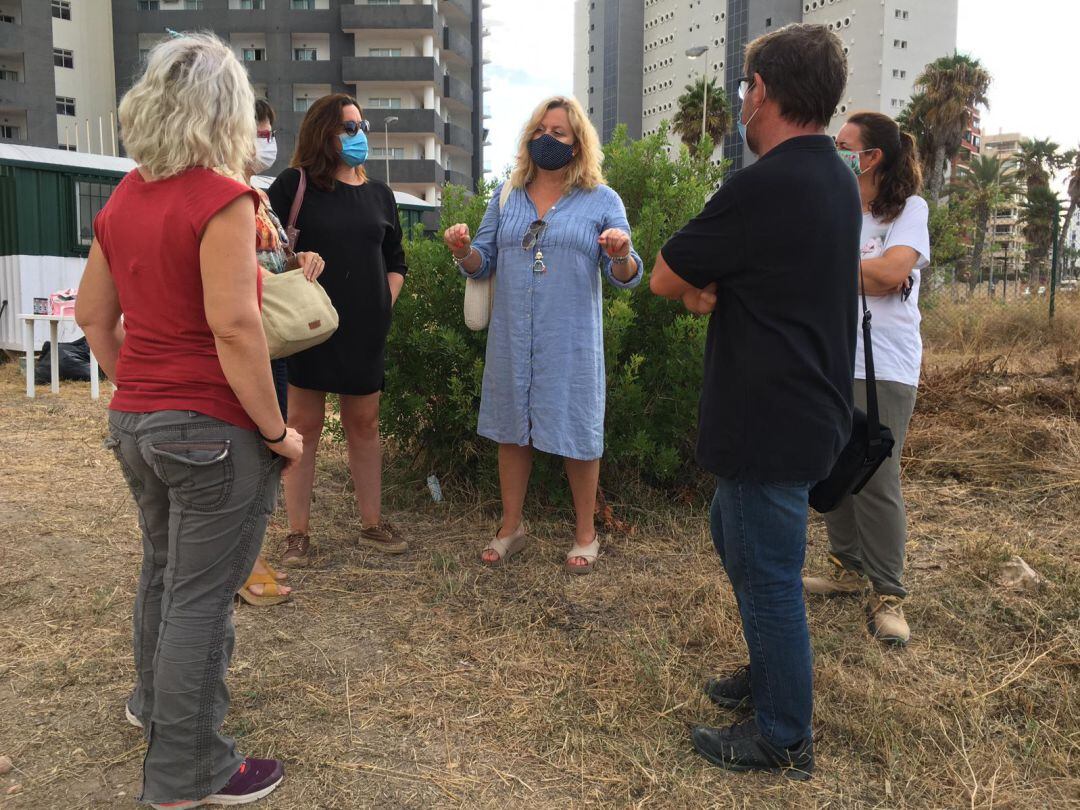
(1028, 46)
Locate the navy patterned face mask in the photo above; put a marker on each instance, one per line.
(550, 154)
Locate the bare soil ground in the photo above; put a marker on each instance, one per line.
(429, 681)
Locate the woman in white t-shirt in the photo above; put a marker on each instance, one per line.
(868, 531)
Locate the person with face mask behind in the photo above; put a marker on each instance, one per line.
(774, 259)
(868, 531)
(265, 586)
(352, 222)
(550, 234)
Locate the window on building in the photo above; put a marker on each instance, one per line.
(302, 5)
(193, 5)
(901, 15)
(253, 54)
(61, 9)
(65, 105)
(304, 55)
(148, 5)
(384, 2)
(7, 18)
(63, 58)
(9, 75)
(384, 103)
(384, 52)
(302, 104)
(394, 153)
(899, 74)
(9, 131)
(90, 198)
(252, 5)
(65, 147)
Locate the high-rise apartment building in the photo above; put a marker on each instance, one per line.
(1006, 245)
(888, 43)
(415, 66)
(56, 74)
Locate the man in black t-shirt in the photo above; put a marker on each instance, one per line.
(774, 259)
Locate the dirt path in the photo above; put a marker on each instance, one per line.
(427, 681)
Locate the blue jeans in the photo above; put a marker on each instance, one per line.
(759, 530)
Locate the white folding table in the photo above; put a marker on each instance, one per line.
(54, 355)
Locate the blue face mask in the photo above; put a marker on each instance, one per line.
(742, 126)
(354, 149)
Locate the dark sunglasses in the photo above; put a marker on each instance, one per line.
(352, 127)
(533, 234)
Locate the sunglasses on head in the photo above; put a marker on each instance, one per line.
(352, 127)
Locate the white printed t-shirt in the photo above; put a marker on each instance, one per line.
(894, 325)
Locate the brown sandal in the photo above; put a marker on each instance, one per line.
(271, 594)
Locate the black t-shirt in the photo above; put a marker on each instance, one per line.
(357, 232)
(781, 240)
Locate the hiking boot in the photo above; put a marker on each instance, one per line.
(382, 537)
(255, 779)
(885, 619)
(731, 691)
(742, 747)
(297, 550)
(839, 581)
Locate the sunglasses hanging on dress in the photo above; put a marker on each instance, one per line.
(531, 240)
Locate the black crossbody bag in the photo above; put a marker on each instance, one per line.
(870, 444)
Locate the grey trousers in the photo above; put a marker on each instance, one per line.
(868, 531)
(204, 491)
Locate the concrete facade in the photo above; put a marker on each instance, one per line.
(27, 80)
(418, 61)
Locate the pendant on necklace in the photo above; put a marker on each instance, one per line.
(538, 265)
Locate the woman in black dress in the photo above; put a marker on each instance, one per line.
(352, 222)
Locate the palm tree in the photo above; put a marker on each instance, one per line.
(1072, 160)
(1037, 159)
(952, 86)
(986, 182)
(1038, 213)
(687, 122)
(912, 119)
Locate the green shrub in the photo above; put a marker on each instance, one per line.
(653, 349)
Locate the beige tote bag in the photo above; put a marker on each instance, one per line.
(480, 292)
(296, 313)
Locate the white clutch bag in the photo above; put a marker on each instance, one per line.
(480, 292)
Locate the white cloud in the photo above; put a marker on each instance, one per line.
(531, 50)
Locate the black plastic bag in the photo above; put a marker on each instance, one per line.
(74, 362)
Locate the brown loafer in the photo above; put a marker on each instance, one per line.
(297, 550)
(382, 537)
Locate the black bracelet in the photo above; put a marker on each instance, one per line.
(278, 440)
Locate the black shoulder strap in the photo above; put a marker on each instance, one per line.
(873, 424)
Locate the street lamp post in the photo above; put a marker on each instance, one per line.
(386, 142)
(694, 53)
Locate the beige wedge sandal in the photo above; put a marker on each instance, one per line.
(588, 553)
(506, 547)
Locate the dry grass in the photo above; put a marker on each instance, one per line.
(429, 681)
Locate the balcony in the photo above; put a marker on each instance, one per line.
(458, 92)
(457, 48)
(458, 138)
(426, 172)
(19, 96)
(397, 18)
(460, 179)
(410, 122)
(460, 10)
(421, 69)
(12, 37)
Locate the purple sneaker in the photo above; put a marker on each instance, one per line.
(256, 779)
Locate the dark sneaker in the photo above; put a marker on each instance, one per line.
(383, 537)
(256, 779)
(741, 747)
(731, 691)
(297, 550)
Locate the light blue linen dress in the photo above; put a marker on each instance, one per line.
(544, 381)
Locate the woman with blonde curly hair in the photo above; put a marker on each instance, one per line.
(194, 422)
(550, 234)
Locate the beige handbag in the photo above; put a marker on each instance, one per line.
(296, 313)
(480, 292)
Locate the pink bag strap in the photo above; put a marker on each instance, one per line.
(298, 200)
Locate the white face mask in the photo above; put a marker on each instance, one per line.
(265, 153)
